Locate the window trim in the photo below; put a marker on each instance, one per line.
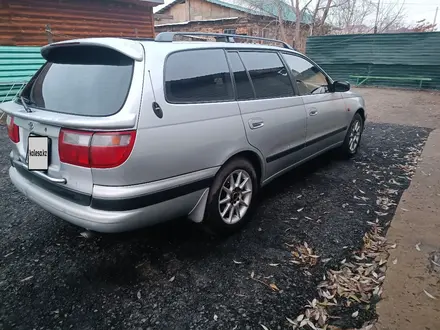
(233, 77)
(289, 73)
(233, 99)
(330, 81)
(257, 50)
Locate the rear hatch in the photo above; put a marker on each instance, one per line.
(80, 111)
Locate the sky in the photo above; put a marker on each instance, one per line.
(421, 9)
(415, 10)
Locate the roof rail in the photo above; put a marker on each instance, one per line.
(137, 39)
(223, 37)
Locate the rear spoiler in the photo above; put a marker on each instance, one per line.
(130, 48)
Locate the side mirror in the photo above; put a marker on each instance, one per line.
(341, 86)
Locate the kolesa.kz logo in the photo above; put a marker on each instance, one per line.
(38, 153)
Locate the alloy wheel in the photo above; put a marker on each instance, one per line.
(235, 196)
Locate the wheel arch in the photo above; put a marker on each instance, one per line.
(254, 158)
(198, 212)
(361, 111)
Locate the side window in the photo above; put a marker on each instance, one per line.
(197, 76)
(242, 82)
(268, 74)
(309, 78)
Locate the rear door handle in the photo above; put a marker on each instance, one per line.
(313, 112)
(256, 123)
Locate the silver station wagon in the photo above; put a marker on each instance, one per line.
(114, 134)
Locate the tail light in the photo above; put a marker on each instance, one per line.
(13, 130)
(95, 149)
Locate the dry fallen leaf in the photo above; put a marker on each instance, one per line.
(237, 262)
(172, 279)
(303, 323)
(418, 246)
(299, 210)
(274, 287)
(26, 279)
(429, 295)
(86, 234)
(355, 314)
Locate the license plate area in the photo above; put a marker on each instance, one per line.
(38, 153)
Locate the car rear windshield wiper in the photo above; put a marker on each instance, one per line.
(24, 102)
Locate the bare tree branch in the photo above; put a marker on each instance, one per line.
(390, 17)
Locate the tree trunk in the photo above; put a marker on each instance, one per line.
(297, 24)
(324, 16)
(315, 13)
(281, 22)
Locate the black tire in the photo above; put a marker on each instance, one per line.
(213, 222)
(344, 150)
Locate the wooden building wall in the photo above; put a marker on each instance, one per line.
(23, 22)
(194, 10)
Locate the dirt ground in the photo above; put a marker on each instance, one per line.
(413, 273)
(405, 107)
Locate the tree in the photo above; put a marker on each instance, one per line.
(389, 14)
(299, 12)
(351, 15)
(298, 7)
(264, 7)
(420, 26)
(423, 26)
(355, 16)
(320, 15)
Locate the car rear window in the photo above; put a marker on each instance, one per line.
(82, 80)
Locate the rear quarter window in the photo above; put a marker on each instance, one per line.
(82, 80)
(197, 76)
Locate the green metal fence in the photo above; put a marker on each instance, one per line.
(17, 65)
(408, 60)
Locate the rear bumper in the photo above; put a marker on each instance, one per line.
(152, 208)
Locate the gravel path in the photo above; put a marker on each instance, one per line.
(173, 276)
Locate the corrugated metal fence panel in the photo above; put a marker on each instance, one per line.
(17, 65)
(23, 22)
(380, 55)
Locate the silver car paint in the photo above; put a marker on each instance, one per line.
(190, 143)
